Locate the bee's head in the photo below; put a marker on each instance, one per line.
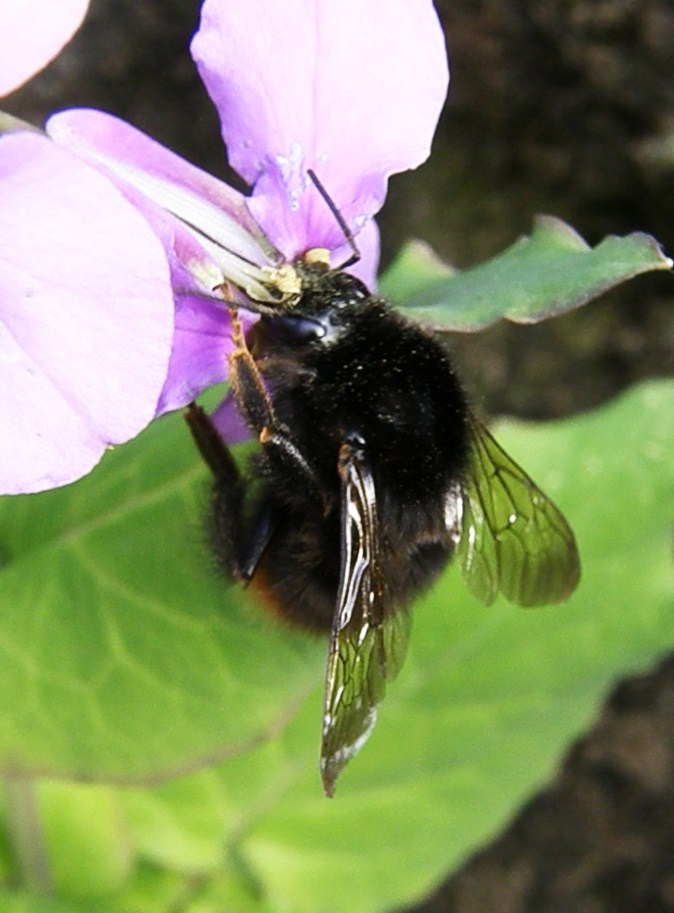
(330, 300)
(325, 289)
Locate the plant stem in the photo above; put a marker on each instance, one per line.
(26, 835)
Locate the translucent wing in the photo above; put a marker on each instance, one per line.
(513, 539)
(367, 646)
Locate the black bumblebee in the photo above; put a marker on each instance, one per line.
(372, 472)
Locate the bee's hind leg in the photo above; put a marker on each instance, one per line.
(238, 550)
(225, 519)
(215, 453)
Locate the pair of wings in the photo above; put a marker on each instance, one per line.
(511, 539)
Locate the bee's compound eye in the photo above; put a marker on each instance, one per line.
(297, 329)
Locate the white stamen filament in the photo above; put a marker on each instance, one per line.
(245, 259)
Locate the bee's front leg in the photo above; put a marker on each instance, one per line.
(257, 409)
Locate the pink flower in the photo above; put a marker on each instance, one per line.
(32, 33)
(349, 88)
(86, 316)
(73, 378)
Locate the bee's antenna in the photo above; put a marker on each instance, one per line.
(339, 218)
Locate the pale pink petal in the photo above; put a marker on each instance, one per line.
(213, 233)
(227, 419)
(86, 316)
(117, 141)
(201, 340)
(349, 88)
(201, 343)
(133, 157)
(368, 248)
(32, 32)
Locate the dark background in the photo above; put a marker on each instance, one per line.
(559, 106)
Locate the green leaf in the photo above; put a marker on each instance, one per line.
(486, 703)
(489, 697)
(182, 825)
(415, 268)
(548, 273)
(122, 655)
(23, 902)
(85, 837)
(228, 892)
(151, 890)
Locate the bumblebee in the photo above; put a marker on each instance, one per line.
(372, 473)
